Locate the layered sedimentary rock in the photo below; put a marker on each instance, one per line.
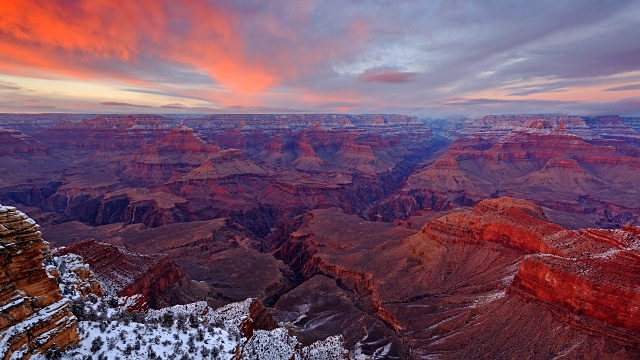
(541, 161)
(35, 123)
(447, 284)
(498, 125)
(600, 282)
(113, 132)
(319, 308)
(614, 127)
(124, 273)
(259, 319)
(158, 170)
(139, 205)
(34, 315)
(223, 259)
(14, 142)
(180, 151)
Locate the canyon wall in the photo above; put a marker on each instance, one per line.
(34, 315)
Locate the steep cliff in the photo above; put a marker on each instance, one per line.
(34, 315)
(124, 273)
(501, 277)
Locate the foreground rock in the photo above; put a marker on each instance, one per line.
(34, 315)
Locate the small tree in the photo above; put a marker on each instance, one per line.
(167, 319)
(77, 309)
(193, 320)
(96, 344)
(127, 351)
(182, 322)
(204, 351)
(54, 353)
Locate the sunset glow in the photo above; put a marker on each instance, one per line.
(423, 58)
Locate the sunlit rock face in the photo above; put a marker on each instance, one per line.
(34, 315)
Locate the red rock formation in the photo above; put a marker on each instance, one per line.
(599, 283)
(613, 127)
(259, 319)
(14, 142)
(124, 273)
(224, 164)
(540, 160)
(180, 151)
(353, 155)
(139, 205)
(109, 132)
(446, 285)
(307, 158)
(183, 139)
(34, 316)
(512, 222)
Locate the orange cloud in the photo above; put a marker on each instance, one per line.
(87, 38)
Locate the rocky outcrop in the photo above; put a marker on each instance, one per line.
(470, 272)
(74, 275)
(124, 273)
(14, 142)
(259, 319)
(307, 158)
(139, 205)
(614, 127)
(539, 159)
(224, 164)
(600, 283)
(34, 315)
(512, 222)
(498, 125)
(319, 308)
(580, 275)
(108, 132)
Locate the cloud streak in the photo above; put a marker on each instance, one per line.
(123, 104)
(386, 76)
(624, 88)
(324, 55)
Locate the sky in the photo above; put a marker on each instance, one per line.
(425, 58)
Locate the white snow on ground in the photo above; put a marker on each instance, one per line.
(192, 331)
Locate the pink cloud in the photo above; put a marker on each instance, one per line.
(387, 76)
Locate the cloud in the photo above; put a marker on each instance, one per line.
(525, 90)
(4, 85)
(174, 106)
(386, 76)
(624, 87)
(489, 101)
(114, 38)
(40, 107)
(322, 55)
(124, 104)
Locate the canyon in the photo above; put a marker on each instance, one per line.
(502, 236)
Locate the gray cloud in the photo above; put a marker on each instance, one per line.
(5, 85)
(624, 87)
(386, 76)
(124, 104)
(326, 55)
